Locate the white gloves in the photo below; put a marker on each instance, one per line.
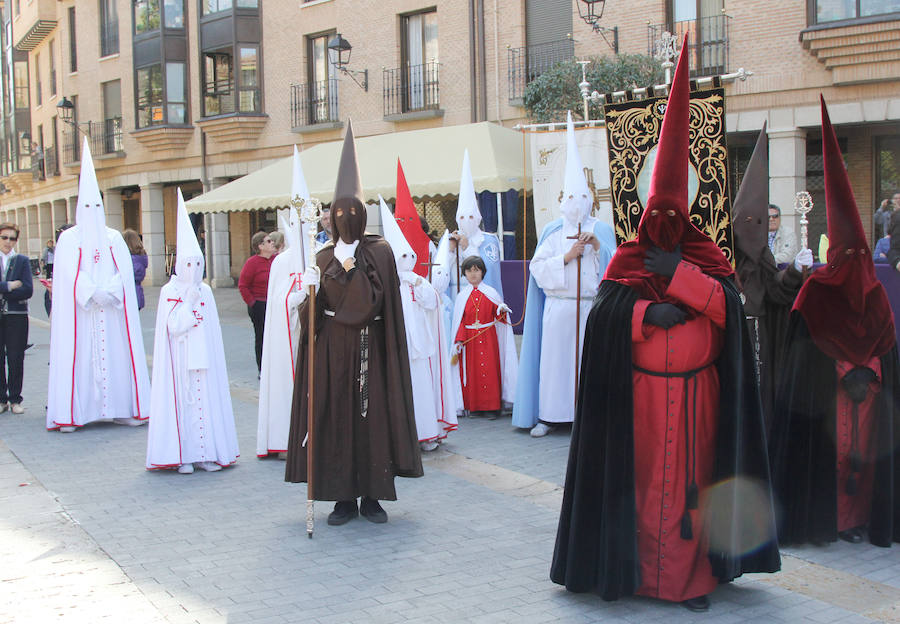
(102, 298)
(310, 278)
(295, 299)
(411, 277)
(803, 259)
(503, 308)
(192, 296)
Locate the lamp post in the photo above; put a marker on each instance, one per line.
(342, 49)
(66, 109)
(591, 11)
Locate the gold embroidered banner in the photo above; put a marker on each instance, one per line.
(633, 132)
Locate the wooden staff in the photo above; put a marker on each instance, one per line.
(457, 265)
(310, 213)
(577, 314)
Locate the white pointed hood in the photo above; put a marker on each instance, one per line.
(577, 198)
(297, 232)
(189, 259)
(91, 220)
(468, 216)
(441, 260)
(404, 255)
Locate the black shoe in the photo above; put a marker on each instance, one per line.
(698, 604)
(854, 536)
(344, 512)
(372, 511)
(28, 346)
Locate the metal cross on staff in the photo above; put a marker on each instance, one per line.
(310, 214)
(803, 204)
(666, 49)
(577, 315)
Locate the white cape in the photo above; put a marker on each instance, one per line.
(280, 341)
(509, 361)
(434, 395)
(98, 368)
(191, 418)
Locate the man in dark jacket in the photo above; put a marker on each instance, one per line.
(15, 291)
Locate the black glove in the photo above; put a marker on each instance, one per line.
(664, 315)
(662, 262)
(856, 383)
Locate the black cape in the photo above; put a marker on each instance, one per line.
(769, 295)
(596, 542)
(802, 450)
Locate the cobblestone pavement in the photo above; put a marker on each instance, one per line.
(86, 534)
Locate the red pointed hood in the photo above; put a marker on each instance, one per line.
(666, 220)
(408, 220)
(843, 303)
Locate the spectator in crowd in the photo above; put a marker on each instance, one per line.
(278, 240)
(138, 261)
(782, 242)
(47, 258)
(15, 291)
(325, 235)
(894, 224)
(882, 248)
(37, 159)
(254, 284)
(882, 218)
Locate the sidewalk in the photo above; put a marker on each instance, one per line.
(87, 534)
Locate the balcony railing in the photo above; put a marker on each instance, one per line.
(37, 168)
(314, 103)
(71, 146)
(106, 136)
(707, 42)
(410, 89)
(109, 38)
(218, 98)
(51, 161)
(527, 63)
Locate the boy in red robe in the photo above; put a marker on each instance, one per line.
(667, 491)
(833, 444)
(484, 349)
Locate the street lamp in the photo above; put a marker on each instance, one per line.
(341, 49)
(66, 110)
(591, 11)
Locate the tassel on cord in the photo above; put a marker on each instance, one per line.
(693, 494)
(687, 527)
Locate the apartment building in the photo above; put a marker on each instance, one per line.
(196, 93)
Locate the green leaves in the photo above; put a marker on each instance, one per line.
(548, 97)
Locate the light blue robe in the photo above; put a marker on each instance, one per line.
(527, 404)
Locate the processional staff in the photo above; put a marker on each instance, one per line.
(803, 204)
(577, 315)
(310, 214)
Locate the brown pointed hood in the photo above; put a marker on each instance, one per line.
(750, 212)
(666, 221)
(843, 303)
(348, 195)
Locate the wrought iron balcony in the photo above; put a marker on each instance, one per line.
(411, 89)
(51, 161)
(71, 146)
(707, 42)
(314, 103)
(106, 136)
(527, 63)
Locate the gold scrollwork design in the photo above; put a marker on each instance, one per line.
(633, 131)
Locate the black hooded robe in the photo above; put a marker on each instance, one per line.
(769, 295)
(803, 453)
(596, 543)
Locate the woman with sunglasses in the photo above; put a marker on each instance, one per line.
(254, 285)
(15, 291)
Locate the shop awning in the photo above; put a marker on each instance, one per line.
(431, 160)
